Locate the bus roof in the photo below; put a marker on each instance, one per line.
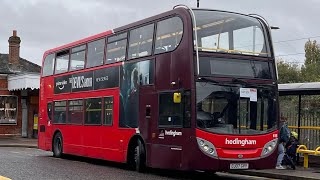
(116, 30)
(79, 42)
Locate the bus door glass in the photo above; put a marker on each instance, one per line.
(170, 135)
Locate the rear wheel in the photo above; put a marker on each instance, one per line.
(57, 145)
(139, 157)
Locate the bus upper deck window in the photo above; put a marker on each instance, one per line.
(140, 43)
(77, 58)
(116, 48)
(62, 62)
(169, 34)
(95, 53)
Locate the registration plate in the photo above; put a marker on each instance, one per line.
(239, 166)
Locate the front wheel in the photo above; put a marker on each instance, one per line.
(57, 146)
(140, 157)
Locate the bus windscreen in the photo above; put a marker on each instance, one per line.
(235, 109)
(233, 33)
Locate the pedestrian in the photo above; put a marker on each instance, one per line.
(284, 138)
(292, 145)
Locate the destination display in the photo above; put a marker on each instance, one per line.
(85, 81)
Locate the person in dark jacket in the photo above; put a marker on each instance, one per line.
(292, 145)
(284, 138)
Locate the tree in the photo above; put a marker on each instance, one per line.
(288, 73)
(311, 69)
(312, 52)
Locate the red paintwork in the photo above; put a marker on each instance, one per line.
(103, 142)
(231, 151)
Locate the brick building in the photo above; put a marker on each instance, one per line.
(19, 91)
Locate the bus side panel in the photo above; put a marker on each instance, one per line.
(113, 138)
(73, 139)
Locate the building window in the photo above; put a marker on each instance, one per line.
(169, 34)
(78, 55)
(108, 111)
(75, 113)
(170, 113)
(48, 65)
(59, 112)
(8, 109)
(93, 111)
(95, 53)
(140, 43)
(116, 48)
(62, 62)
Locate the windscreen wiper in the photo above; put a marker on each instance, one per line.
(236, 80)
(208, 79)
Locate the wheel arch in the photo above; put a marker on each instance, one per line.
(54, 134)
(132, 143)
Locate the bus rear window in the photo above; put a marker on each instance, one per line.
(48, 65)
(238, 68)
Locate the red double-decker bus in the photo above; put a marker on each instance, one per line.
(188, 89)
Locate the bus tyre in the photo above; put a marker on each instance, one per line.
(140, 157)
(57, 145)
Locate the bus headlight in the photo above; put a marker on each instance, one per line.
(207, 147)
(269, 147)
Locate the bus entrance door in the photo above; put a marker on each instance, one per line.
(44, 125)
(166, 132)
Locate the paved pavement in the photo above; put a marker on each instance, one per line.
(29, 163)
(14, 141)
(300, 173)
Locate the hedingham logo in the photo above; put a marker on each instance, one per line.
(172, 133)
(241, 142)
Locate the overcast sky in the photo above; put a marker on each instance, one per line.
(45, 24)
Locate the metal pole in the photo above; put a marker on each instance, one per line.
(299, 123)
(197, 3)
(299, 117)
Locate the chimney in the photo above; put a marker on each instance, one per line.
(14, 48)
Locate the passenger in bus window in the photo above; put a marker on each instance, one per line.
(62, 117)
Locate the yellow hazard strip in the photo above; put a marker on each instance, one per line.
(305, 127)
(4, 178)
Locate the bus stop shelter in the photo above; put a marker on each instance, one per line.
(300, 104)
